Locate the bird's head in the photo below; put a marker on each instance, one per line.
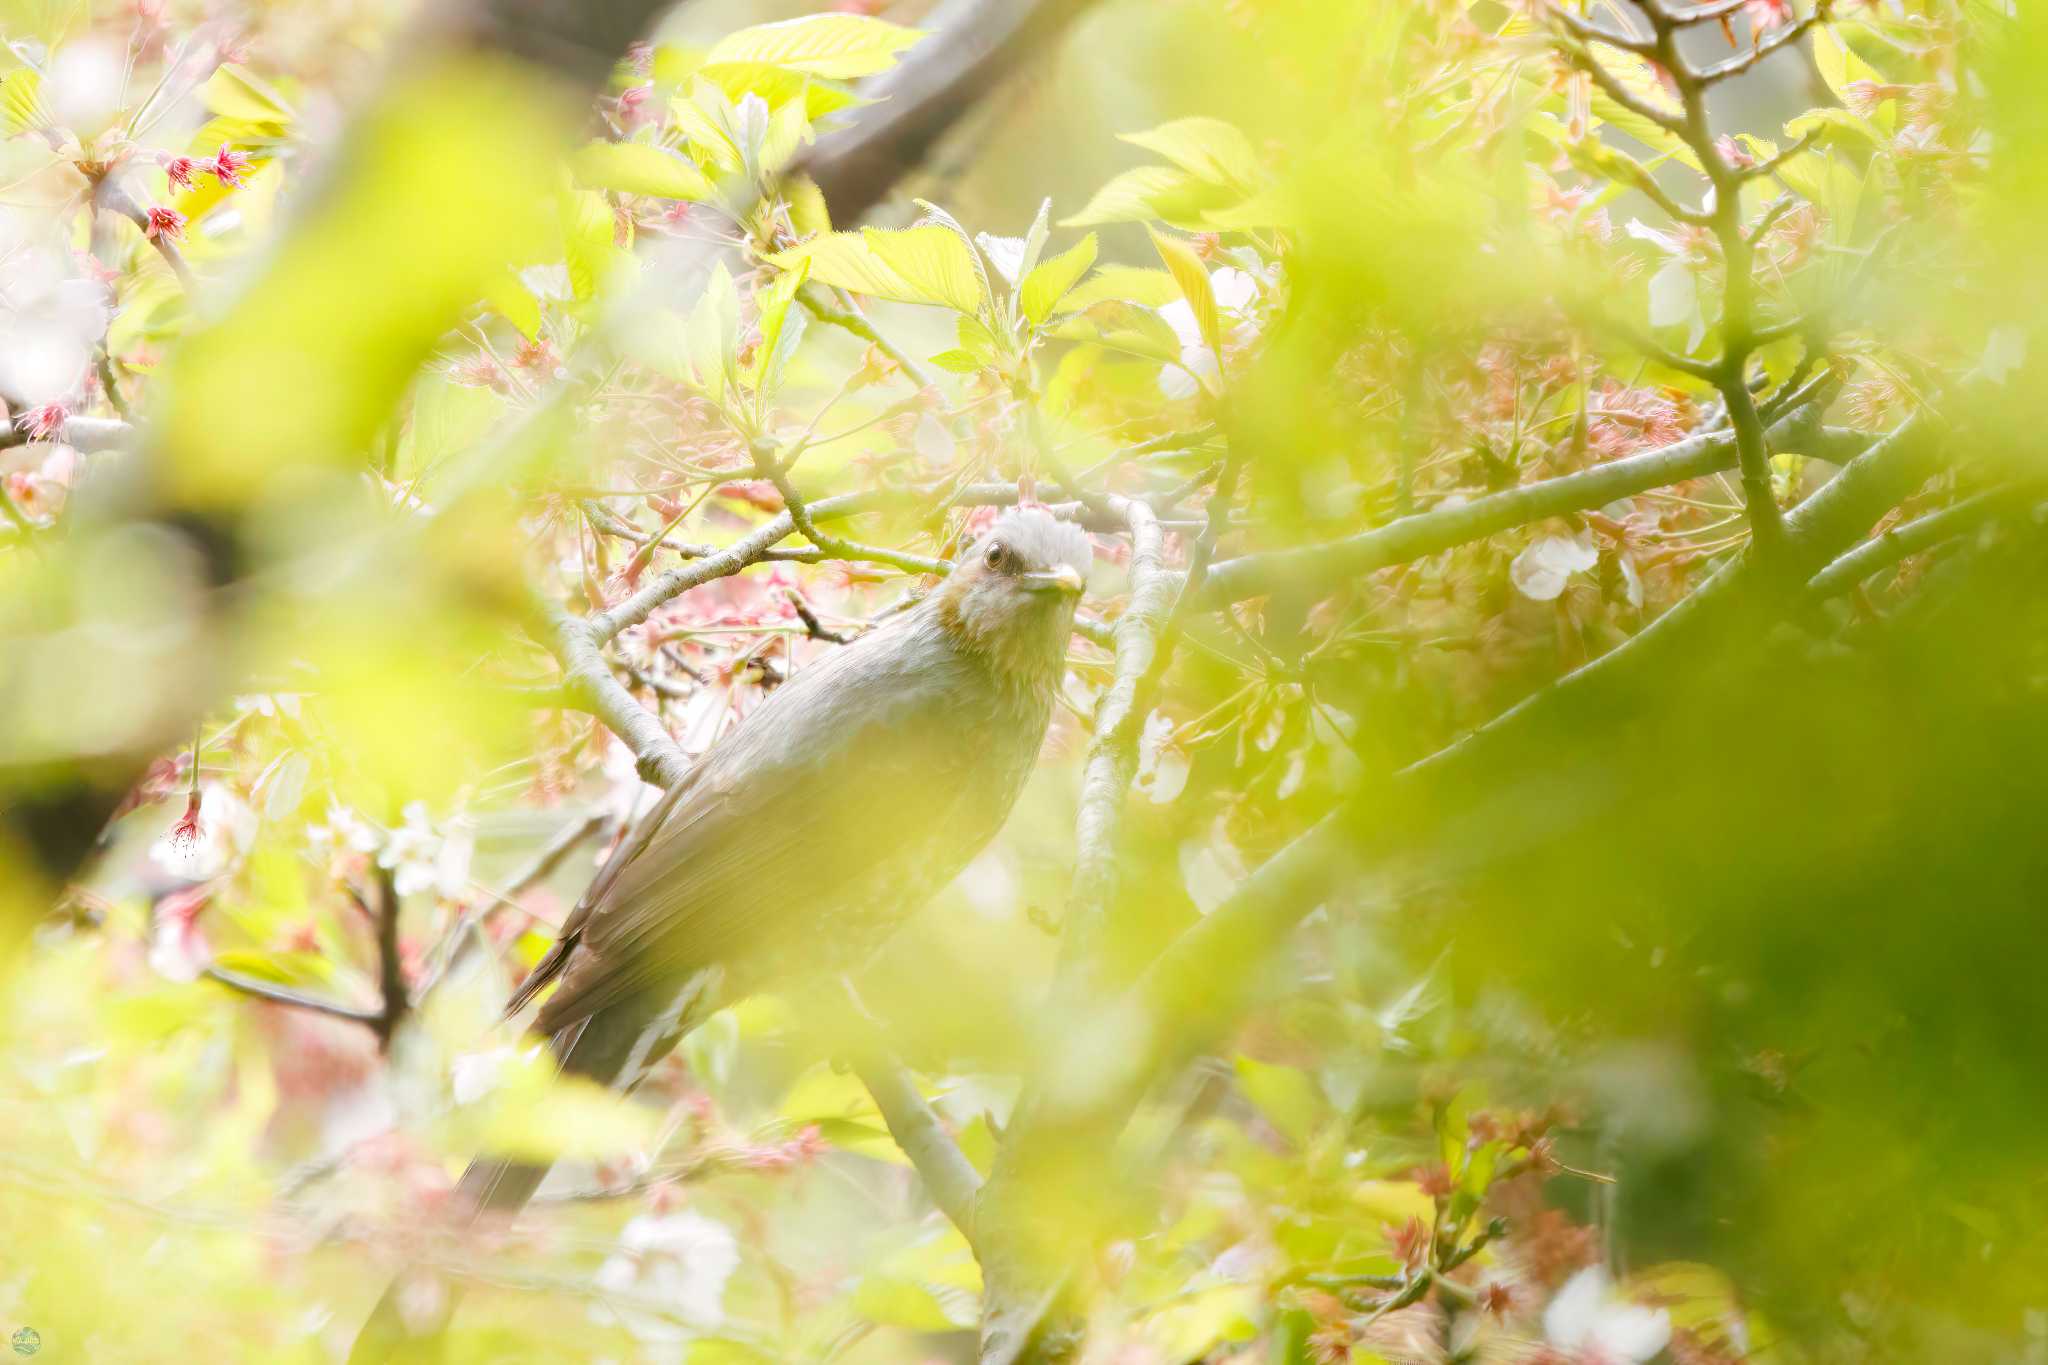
(1012, 598)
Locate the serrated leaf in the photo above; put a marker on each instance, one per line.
(837, 46)
(587, 240)
(714, 335)
(1163, 192)
(1840, 67)
(1051, 281)
(1207, 147)
(1123, 326)
(639, 168)
(704, 118)
(781, 329)
(1833, 126)
(779, 85)
(957, 362)
(1006, 254)
(789, 128)
(1128, 283)
(933, 214)
(927, 265)
(808, 214)
(976, 339)
(1193, 279)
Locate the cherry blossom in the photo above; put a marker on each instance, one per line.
(680, 1259)
(1597, 1326)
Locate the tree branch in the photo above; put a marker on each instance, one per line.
(1882, 551)
(284, 995)
(973, 45)
(1209, 974)
(1432, 532)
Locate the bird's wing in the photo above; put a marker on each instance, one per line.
(843, 771)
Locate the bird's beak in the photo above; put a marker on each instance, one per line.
(1066, 580)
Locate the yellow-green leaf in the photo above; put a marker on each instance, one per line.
(928, 265)
(836, 46)
(639, 168)
(514, 302)
(1163, 192)
(232, 91)
(1207, 147)
(21, 101)
(1289, 1098)
(1050, 281)
(1193, 278)
(1128, 283)
(807, 211)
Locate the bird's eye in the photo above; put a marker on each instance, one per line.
(995, 556)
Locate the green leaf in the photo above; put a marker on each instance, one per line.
(1163, 192)
(639, 168)
(1635, 75)
(1129, 283)
(779, 86)
(932, 1285)
(781, 330)
(844, 1112)
(1840, 67)
(1193, 278)
(1289, 1098)
(280, 969)
(808, 215)
(447, 418)
(714, 336)
(1050, 282)
(21, 101)
(977, 340)
(704, 119)
(514, 302)
(837, 46)
(234, 92)
(1123, 327)
(1206, 147)
(957, 362)
(933, 214)
(789, 128)
(927, 265)
(588, 245)
(534, 1113)
(1834, 126)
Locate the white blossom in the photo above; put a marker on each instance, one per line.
(226, 829)
(422, 858)
(1600, 1327)
(1540, 572)
(679, 1259)
(1235, 292)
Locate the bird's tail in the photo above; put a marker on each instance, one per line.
(616, 1046)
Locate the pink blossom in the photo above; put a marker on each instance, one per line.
(178, 170)
(44, 422)
(177, 948)
(1734, 153)
(165, 223)
(228, 165)
(634, 108)
(1765, 15)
